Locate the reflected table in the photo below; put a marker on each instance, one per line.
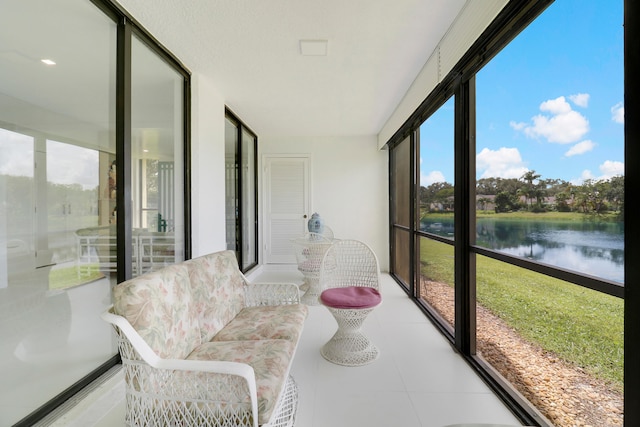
(310, 249)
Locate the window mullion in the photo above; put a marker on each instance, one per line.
(464, 228)
(123, 153)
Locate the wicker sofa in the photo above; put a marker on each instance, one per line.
(202, 347)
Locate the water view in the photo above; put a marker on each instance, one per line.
(588, 247)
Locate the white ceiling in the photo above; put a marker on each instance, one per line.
(249, 50)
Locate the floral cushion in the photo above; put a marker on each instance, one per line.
(158, 306)
(218, 291)
(270, 360)
(266, 322)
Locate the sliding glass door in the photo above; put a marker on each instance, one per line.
(93, 188)
(57, 134)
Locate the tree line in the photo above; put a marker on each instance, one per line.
(532, 193)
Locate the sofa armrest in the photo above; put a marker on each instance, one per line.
(261, 294)
(182, 376)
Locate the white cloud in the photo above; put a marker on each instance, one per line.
(608, 170)
(66, 163)
(503, 163)
(580, 148)
(586, 174)
(431, 177)
(517, 126)
(617, 113)
(556, 106)
(562, 125)
(611, 168)
(70, 164)
(580, 99)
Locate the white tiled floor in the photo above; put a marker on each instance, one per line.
(418, 379)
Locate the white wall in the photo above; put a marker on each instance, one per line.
(475, 17)
(207, 167)
(349, 185)
(349, 178)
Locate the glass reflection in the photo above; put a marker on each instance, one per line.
(56, 130)
(72, 197)
(157, 162)
(231, 202)
(17, 195)
(589, 247)
(249, 221)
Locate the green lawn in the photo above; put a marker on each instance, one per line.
(62, 278)
(579, 325)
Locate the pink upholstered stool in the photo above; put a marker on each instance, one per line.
(350, 306)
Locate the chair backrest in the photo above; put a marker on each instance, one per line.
(349, 263)
(217, 286)
(160, 306)
(327, 232)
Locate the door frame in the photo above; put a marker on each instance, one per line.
(265, 158)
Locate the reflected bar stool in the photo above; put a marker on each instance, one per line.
(310, 249)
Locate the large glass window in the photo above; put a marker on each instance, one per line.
(558, 344)
(62, 151)
(157, 160)
(534, 292)
(550, 161)
(57, 137)
(241, 195)
(435, 201)
(550, 167)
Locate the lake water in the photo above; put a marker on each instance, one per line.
(593, 248)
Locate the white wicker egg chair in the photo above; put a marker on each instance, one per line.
(350, 279)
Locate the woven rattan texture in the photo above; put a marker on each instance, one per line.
(349, 263)
(160, 397)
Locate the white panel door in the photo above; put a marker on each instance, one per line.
(286, 206)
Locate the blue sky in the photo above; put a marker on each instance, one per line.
(550, 101)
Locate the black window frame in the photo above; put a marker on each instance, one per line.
(514, 17)
(241, 127)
